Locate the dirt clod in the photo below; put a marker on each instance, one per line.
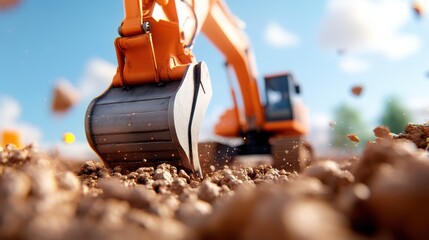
(353, 137)
(418, 133)
(357, 90)
(382, 132)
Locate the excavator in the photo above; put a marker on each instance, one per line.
(153, 110)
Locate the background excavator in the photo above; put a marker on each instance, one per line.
(154, 107)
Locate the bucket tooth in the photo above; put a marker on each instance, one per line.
(146, 125)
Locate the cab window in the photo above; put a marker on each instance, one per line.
(279, 105)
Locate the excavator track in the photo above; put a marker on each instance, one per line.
(291, 153)
(215, 155)
(288, 153)
(146, 125)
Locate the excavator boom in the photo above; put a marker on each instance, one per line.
(154, 107)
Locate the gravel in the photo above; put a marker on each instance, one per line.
(382, 194)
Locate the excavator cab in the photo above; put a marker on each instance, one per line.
(284, 114)
(279, 91)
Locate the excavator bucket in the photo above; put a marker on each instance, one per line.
(146, 125)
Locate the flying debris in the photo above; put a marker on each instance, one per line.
(418, 8)
(341, 51)
(353, 137)
(65, 96)
(382, 132)
(5, 4)
(357, 90)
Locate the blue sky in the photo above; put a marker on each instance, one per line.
(383, 44)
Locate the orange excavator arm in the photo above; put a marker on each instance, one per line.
(223, 29)
(152, 46)
(248, 119)
(156, 40)
(154, 108)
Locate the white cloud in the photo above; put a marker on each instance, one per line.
(401, 46)
(419, 108)
(366, 26)
(79, 151)
(10, 110)
(278, 37)
(353, 65)
(29, 133)
(97, 77)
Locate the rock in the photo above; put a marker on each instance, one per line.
(14, 215)
(261, 213)
(329, 173)
(230, 180)
(14, 184)
(65, 96)
(103, 173)
(298, 218)
(178, 185)
(383, 152)
(167, 167)
(353, 137)
(68, 181)
(357, 90)
(166, 206)
(89, 167)
(208, 191)
(397, 176)
(382, 132)
(192, 212)
(229, 216)
(113, 213)
(138, 197)
(43, 181)
(163, 174)
(184, 175)
(46, 226)
(400, 193)
(160, 228)
(117, 169)
(148, 170)
(143, 178)
(417, 133)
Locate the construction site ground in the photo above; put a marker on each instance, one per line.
(382, 193)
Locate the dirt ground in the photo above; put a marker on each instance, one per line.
(382, 194)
